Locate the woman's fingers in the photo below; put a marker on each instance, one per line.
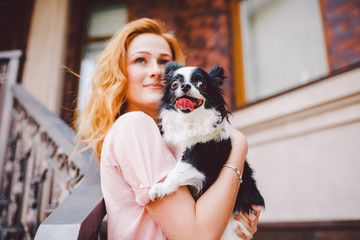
(240, 233)
(248, 223)
(243, 230)
(255, 215)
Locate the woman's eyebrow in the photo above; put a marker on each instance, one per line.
(140, 52)
(165, 55)
(148, 53)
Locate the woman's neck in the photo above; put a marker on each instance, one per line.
(153, 114)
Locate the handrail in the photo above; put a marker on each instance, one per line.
(6, 103)
(82, 212)
(42, 173)
(78, 217)
(55, 128)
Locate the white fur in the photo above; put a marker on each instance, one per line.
(183, 130)
(184, 174)
(186, 72)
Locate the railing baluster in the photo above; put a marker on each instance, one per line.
(47, 188)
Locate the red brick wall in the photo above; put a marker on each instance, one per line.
(342, 32)
(202, 26)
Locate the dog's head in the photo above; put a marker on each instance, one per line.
(190, 88)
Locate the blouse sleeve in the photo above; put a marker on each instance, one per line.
(135, 146)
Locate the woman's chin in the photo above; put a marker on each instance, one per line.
(154, 98)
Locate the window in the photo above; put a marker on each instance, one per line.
(103, 23)
(283, 45)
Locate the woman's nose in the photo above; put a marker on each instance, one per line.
(155, 70)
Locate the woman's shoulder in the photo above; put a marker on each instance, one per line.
(132, 123)
(127, 127)
(133, 119)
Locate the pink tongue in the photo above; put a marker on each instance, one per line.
(185, 104)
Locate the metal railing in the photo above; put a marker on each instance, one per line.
(49, 190)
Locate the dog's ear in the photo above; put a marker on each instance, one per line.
(171, 67)
(217, 75)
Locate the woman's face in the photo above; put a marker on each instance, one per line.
(146, 59)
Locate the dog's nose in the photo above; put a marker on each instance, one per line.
(185, 87)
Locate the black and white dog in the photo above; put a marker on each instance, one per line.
(192, 116)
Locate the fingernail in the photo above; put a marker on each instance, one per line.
(253, 212)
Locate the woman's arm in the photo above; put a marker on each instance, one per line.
(180, 217)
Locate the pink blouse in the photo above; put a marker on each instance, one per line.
(134, 157)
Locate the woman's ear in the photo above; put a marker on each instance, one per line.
(217, 75)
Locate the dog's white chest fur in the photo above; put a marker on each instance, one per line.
(182, 130)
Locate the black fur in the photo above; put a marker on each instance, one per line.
(210, 157)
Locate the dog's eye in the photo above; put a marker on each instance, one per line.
(201, 85)
(197, 78)
(174, 84)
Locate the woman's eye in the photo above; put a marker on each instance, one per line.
(163, 61)
(174, 84)
(140, 60)
(201, 85)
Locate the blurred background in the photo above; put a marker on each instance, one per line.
(293, 86)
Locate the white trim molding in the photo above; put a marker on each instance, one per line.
(330, 102)
(305, 148)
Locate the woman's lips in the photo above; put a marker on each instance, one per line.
(154, 86)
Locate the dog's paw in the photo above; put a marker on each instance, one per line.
(160, 190)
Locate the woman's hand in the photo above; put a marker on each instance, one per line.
(249, 222)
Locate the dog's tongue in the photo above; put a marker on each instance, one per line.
(184, 104)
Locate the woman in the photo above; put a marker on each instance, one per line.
(120, 122)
